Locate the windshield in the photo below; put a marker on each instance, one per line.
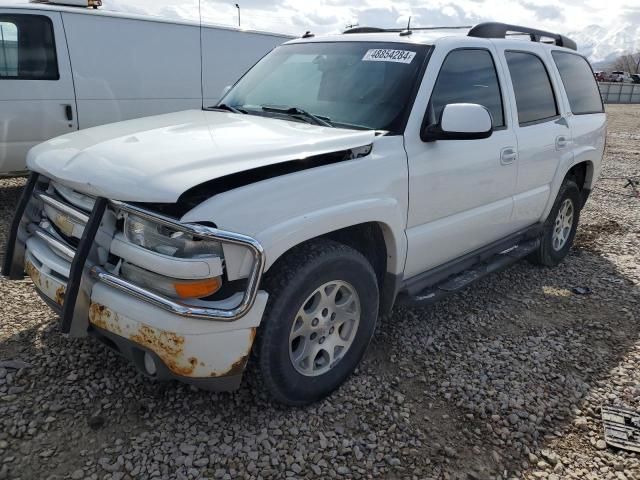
(349, 84)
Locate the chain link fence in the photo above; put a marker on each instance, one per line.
(620, 92)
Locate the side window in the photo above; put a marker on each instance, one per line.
(8, 49)
(468, 76)
(27, 48)
(534, 94)
(579, 83)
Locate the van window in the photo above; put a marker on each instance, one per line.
(579, 83)
(532, 87)
(27, 48)
(8, 49)
(467, 76)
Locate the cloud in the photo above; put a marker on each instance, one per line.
(332, 16)
(544, 12)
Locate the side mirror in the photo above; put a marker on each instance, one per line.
(460, 121)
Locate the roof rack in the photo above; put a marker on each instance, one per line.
(501, 30)
(400, 30)
(72, 3)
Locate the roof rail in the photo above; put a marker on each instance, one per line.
(400, 30)
(501, 30)
(365, 30)
(72, 3)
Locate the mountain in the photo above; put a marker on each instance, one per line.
(603, 44)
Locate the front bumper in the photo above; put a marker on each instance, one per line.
(204, 343)
(211, 355)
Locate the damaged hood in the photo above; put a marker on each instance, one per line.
(155, 159)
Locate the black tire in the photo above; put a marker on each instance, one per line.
(289, 284)
(547, 255)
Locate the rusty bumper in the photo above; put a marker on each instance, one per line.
(211, 355)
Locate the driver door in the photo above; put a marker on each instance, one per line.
(460, 191)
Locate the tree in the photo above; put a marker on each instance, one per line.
(629, 62)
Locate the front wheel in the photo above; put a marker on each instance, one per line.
(560, 227)
(321, 315)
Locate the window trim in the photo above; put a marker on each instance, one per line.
(505, 126)
(555, 50)
(47, 19)
(551, 84)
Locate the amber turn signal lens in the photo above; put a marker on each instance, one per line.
(199, 288)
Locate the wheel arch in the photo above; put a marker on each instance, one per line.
(377, 243)
(583, 172)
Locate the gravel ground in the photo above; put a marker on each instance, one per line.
(504, 380)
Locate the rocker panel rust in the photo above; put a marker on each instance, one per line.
(169, 346)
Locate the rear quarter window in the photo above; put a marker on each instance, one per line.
(577, 77)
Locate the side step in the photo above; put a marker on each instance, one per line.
(458, 281)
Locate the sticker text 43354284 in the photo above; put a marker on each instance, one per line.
(388, 55)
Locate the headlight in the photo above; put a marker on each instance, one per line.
(168, 241)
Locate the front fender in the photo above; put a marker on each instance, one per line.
(285, 211)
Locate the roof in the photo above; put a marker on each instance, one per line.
(483, 32)
(421, 37)
(101, 12)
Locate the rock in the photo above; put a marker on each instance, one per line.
(78, 474)
(96, 422)
(13, 364)
(601, 445)
(550, 457)
(201, 462)
(581, 422)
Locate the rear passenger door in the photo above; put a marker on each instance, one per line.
(37, 99)
(544, 137)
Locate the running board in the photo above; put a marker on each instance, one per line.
(461, 280)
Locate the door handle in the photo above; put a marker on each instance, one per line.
(508, 156)
(561, 142)
(68, 110)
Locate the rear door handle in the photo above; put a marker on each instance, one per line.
(561, 142)
(508, 156)
(68, 110)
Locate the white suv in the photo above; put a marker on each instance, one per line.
(339, 176)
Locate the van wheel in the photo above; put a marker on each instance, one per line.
(560, 227)
(320, 318)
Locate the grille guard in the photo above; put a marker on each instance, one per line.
(85, 271)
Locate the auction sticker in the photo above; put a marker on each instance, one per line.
(388, 55)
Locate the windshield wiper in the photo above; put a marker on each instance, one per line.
(298, 112)
(228, 108)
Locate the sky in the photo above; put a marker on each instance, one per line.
(332, 16)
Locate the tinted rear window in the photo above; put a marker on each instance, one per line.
(577, 78)
(534, 94)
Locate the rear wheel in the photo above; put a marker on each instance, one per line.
(321, 315)
(560, 227)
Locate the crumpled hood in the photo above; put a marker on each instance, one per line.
(155, 159)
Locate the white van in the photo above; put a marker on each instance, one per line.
(66, 68)
(621, 77)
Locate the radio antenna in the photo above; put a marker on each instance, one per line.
(408, 30)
